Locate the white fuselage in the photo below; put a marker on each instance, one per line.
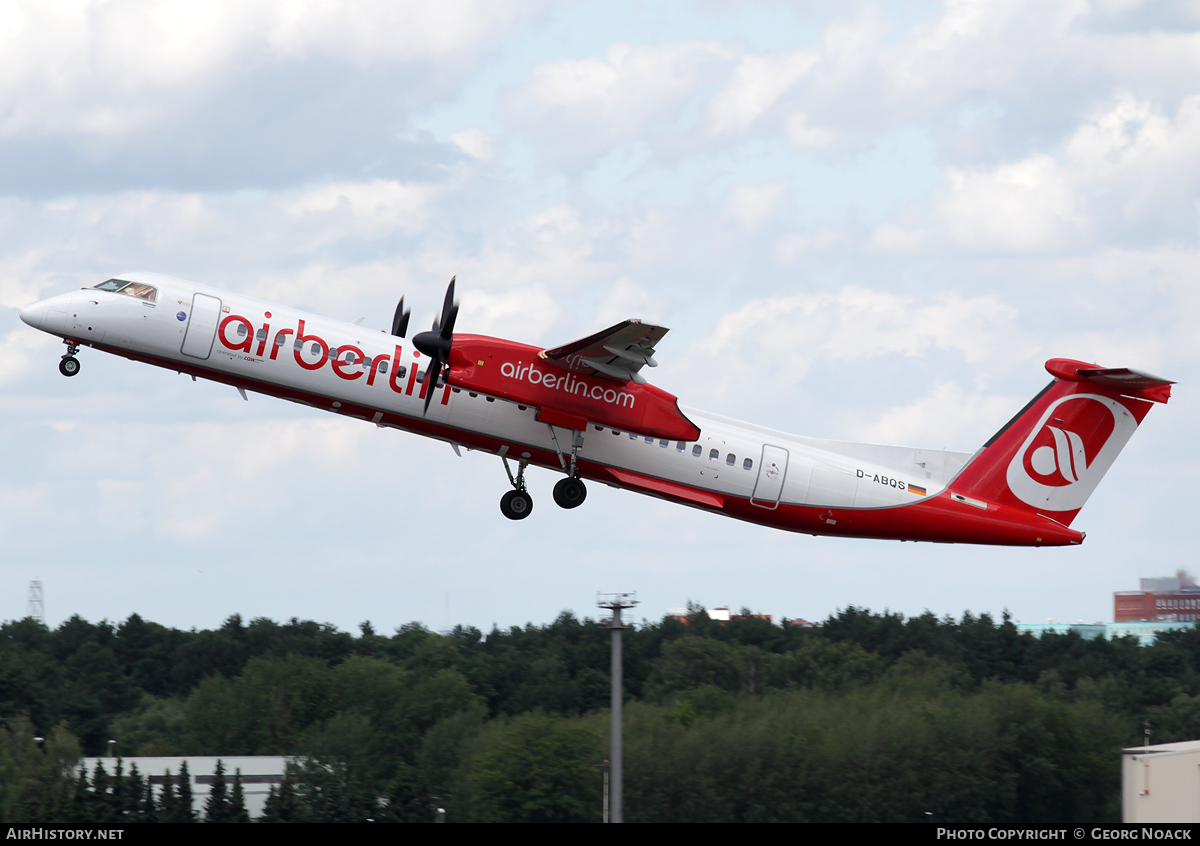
(373, 375)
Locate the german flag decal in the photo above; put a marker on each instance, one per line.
(917, 489)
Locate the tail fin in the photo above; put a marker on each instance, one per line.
(1050, 457)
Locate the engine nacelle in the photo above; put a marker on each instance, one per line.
(513, 371)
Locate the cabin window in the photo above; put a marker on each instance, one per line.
(714, 454)
(730, 459)
(599, 428)
(632, 436)
(615, 432)
(130, 289)
(241, 330)
(649, 440)
(261, 334)
(748, 463)
(279, 340)
(662, 444)
(696, 450)
(315, 349)
(679, 446)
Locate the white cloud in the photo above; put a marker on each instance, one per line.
(948, 417)
(364, 209)
(755, 85)
(1129, 173)
(576, 110)
(475, 142)
(792, 333)
(753, 205)
(1028, 206)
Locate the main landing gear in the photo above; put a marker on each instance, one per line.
(69, 365)
(571, 491)
(568, 493)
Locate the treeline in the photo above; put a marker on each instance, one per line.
(868, 717)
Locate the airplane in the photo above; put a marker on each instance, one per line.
(585, 411)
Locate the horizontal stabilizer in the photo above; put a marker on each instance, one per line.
(1130, 383)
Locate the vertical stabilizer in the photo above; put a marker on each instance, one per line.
(1052, 455)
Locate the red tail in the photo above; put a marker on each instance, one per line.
(1050, 457)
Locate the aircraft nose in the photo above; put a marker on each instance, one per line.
(35, 315)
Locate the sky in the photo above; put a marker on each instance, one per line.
(866, 221)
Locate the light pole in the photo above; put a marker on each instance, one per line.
(616, 602)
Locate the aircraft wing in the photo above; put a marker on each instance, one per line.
(618, 352)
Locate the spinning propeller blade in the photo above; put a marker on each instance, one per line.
(437, 343)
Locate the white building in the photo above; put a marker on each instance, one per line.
(1161, 784)
(259, 772)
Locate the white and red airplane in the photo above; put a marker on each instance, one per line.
(585, 410)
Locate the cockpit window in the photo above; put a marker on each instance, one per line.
(133, 289)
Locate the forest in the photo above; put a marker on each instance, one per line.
(866, 717)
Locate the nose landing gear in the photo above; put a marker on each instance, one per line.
(516, 504)
(69, 365)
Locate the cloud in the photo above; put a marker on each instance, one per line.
(756, 84)
(790, 334)
(1028, 206)
(752, 205)
(1129, 174)
(475, 142)
(947, 417)
(577, 110)
(96, 96)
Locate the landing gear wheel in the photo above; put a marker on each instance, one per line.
(69, 365)
(570, 493)
(516, 505)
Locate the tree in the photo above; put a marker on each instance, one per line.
(216, 809)
(539, 771)
(237, 801)
(183, 811)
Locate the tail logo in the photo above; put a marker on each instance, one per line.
(1069, 450)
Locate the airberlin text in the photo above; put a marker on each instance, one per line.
(567, 383)
(311, 352)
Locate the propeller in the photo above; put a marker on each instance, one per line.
(400, 320)
(437, 342)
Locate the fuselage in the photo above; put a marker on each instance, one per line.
(736, 469)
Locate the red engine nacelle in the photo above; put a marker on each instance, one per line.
(512, 371)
